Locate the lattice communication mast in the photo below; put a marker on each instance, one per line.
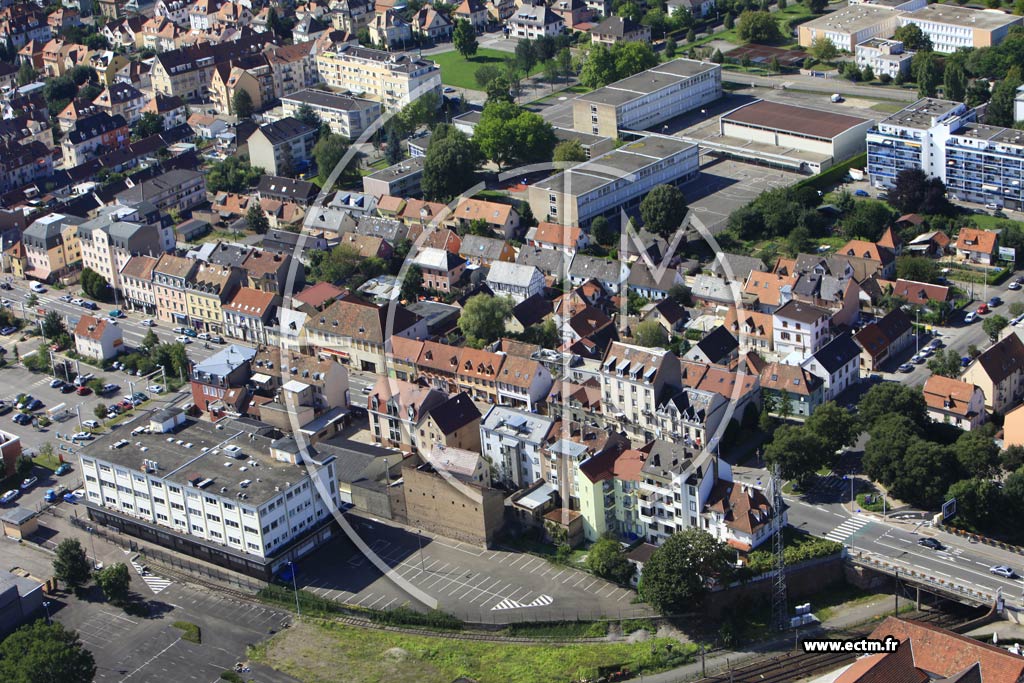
(780, 619)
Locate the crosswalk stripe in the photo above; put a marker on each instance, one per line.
(847, 529)
(155, 583)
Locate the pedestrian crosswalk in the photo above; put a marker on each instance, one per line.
(507, 603)
(155, 583)
(847, 529)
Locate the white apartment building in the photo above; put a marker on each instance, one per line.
(884, 56)
(511, 441)
(648, 98)
(837, 364)
(951, 28)
(219, 492)
(632, 381)
(348, 116)
(515, 281)
(675, 485)
(800, 329)
(393, 79)
(113, 237)
(849, 26)
(613, 181)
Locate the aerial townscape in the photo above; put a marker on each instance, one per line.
(540, 341)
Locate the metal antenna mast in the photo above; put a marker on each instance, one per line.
(779, 608)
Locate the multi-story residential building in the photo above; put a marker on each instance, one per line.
(675, 485)
(403, 179)
(354, 331)
(952, 401)
(393, 79)
(250, 73)
(98, 338)
(21, 164)
(800, 329)
(511, 441)
(691, 416)
(441, 269)
(515, 281)
(293, 67)
(172, 10)
(249, 315)
(523, 383)
(113, 237)
(578, 195)
(283, 147)
(849, 26)
(207, 290)
(501, 218)
(60, 56)
(170, 109)
(431, 24)
(632, 381)
(180, 189)
(884, 56)
(477, 372)
(884, 339)
(21, 23)
(951, 28)
(791, 386)
(914, 138)
(608, 487)
(224, 493)
(533, 20)
(123, 99)
(231, 15)
(137, 283)
(837, 364)
(169, 277)
(388, 29)
(619, 29)
(187, 71)
(51, 246)
(200, 14)
(219, 382)
(346, 115)
(397, 408)
(999, 373)
(472, 11)
(648, 99)
(455, 423)
(268, 271)
(94, 136)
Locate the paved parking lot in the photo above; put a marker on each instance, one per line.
(725, 185)
(472, 583)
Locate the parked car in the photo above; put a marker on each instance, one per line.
(81, 436)
(1014, 285)
(935, 343)
(22, 419)
(148, 322)
(205, 336)
(77, 302)
(10, 496)
(861, 193)
(63, 469)
(6, 285)
(983, 309)
(34, 404)
(53, 495)
(970, 317)
(8, 330)
(83, 378)
(83, 391)
(182, 339)
(178, 330)
(37, 287)
(116, 313)
(28, 483)
(5, 407)
(67, 388)
(90, 306)
(932, 543)
(91, 424)
(906, 367)
(190, 332)
(70, 498)
(54, 383)
(155, 388)
(1003, 571)
(139, 396)
(109, 388)
(965, 361)
(217, 339)
(66, 298)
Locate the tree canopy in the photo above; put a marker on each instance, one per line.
(233, 174)
(508, 133)
(70, 564)
(607, 560)
(115, 582)
(569, 151)
(241, 104)
(757, 27)
(451, 161)
(663, 209)
(45, 653)
(602, 65)
(914, 191)
(913, 38)
(328, 152)
(483, 319)
(674, 579)
(650, 333)
(464, 38)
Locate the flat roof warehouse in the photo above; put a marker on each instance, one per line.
(787, 118)
(647, 82)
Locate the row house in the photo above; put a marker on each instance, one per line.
(269, 271)
(21, 23)
(60, 56)
(250, 315)
(21, 164)
(94, 136)
(752, 329)
(999, 373)
(293, 68)
(188, 71)
(109, 240)
(396, 408)
(792, 386)
(180, 189)
(207, 290)
(511, 441)
(632, 380)
(170, 275)
(571, 446)
(136, 278)
(523, 383)
(608, 489)
(675, 485)
(51, 247)
(691, 417)
(455, 423)
(837, 364)
(121, 99)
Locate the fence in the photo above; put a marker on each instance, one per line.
(908, 573)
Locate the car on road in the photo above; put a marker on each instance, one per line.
(6, 285)
(66, 298)
(37, 287)
(178, 330)
(449, 89)
(1014, 285)
(970, 317)
(1003, 571)
(861, 193)
(77, 302)
(935, 344)
(70, 498)
(5, 407)
(54, 383)
(982, 309)
(918, 359)
(182, 339)
(205, 336)
(22, 419)
(83, 390)
(116, 313)
(90, 306)
(81, 436)
(932, 543)
(906, 367)
(156, 388)
(63, 469)
(91, 424)
(217, 339)
(8, 330)
(139, 396)
(10, 496)
(6, 302)
(189, 332)
(366, 390)
(994, 301)
(28, 483)
(148, 322)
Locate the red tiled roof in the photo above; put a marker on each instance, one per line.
(319, 294)
(250, 301)
(562, 235)
(948, 395)
(980, 241)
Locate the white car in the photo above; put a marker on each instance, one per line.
(91, 424)
(182, 339)
(37, 288)
(77, 302)
(178, 330)
(54, 383)
(155, 388)
(148, 322)
(970, 317)
(205, 336)
(81, 436)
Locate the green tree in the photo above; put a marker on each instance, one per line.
(94, 285)
(70, 564)
(598, 68)
(834, 425)
(914, 191)
(1013, 494)
(816, 6)
(671, 47)
(977, 454)
(977, 503)
(601, 231)
(526, 55)
(149, 124)
(798, 452)
(774, 65)
(1012, 459)
(43, 653)
(507, 133)
(487, 73)
(946, 363)
(676, 576)
(917, 268)
(412, 283)
(308, 116)
(954, 81)
(892, 398)
(928, 74)
(234, 174)
(913, 38)
(607, 560)
(758, 27)
(328, 153)
(150, 341)
(53, 325)
(718, 57)
(483, 319)
(569, 151)
(450, 164)
(26, 74)
(823, 49)
(728, 23)
(100, 411)
(925, 474)
(242, 105)
(256, 219)
(651, 334)
(978, 93)
(663, 209)
(1000, 107)
(464, 38)
(993, 325)
(115, 582)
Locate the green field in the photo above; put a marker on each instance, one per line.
(314, 651)
(458, 71)
(793, 13)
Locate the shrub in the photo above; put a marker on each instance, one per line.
(189, 631)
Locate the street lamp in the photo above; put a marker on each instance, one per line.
(92, 539)
(852, 480)
(46, 606)
(295, 589)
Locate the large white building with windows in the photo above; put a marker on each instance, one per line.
(950, 27)
(224, 493)
(392, 78)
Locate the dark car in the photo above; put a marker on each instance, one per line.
(67, 388)
(83, 391)
(8, 330)
(34, 404)
(994, 301)
(929, 542)
(5, 407)
(90, 306)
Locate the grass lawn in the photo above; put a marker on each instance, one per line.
(786, 18)
(458, 71)
(564, 92)
(314, 651)
(986, 221)
(50, 462)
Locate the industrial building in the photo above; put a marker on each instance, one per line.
(850, 26)
(783, 135)
(648, 98)
(951, 28)
(614, 181)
